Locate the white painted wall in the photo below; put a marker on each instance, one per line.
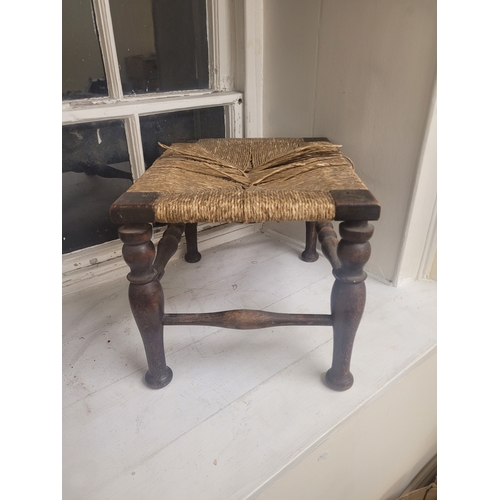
(356, 463)
(362, 74)
(415, 261)
(253, 12)
(290, 67)
(433, 272)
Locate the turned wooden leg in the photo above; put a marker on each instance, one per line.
(167, 246)
(192, 254)
(348, 299)
(146, 299)
(310, 254)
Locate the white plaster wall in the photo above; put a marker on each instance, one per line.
(290, 63)
(433, 272)
(291, 36)
(375, 454)
(360, 73)
(416, 260)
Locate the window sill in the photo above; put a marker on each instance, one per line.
(243, 406)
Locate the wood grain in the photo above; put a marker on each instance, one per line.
(355, 205)
(310, 254)
(134, 207)
(167, 246)
(146, 299)
(329, 242)
(247, 319)
(348, 299)
(192, 255)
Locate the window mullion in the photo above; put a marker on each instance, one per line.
(220, 47)
(108, 48)
(254, 66)
(134, 142)
(234, 119)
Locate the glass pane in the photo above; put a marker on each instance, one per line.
(82, 66)
(96, 171)
(181, 126)
(161, 44)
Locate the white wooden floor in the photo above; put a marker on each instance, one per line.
(242, 404)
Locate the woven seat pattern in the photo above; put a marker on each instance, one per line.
(247, 180)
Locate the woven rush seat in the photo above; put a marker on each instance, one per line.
(247, 180)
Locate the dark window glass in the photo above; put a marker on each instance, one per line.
(181, 126)
(161, 44)
(96, 171)
(82, 66)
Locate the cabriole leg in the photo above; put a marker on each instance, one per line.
(348, 299)
(146, 299)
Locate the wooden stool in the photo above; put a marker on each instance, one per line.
(247, 180)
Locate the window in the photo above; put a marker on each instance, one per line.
(135, 73)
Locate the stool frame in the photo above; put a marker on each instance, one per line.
(347, 255)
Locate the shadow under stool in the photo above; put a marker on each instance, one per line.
(247, 180)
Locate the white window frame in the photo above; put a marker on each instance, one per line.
(130, 108)
(223, 53)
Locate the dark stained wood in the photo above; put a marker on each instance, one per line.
(347, 257)
(131, 208)
(146, 299)
(355, 205)
(348, 299)
(329, 242)
(310, 254)
(315, 139)
(167, 246)
(192, 254)
(247, 319)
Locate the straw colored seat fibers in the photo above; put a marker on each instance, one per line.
(247, 180)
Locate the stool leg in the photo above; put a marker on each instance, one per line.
(192, 254)
(146, 299)
(310, 254)
(348, 299)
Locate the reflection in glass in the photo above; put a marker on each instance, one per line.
(96, 171)
(161, 44)
(82, 66)
(181, 126)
